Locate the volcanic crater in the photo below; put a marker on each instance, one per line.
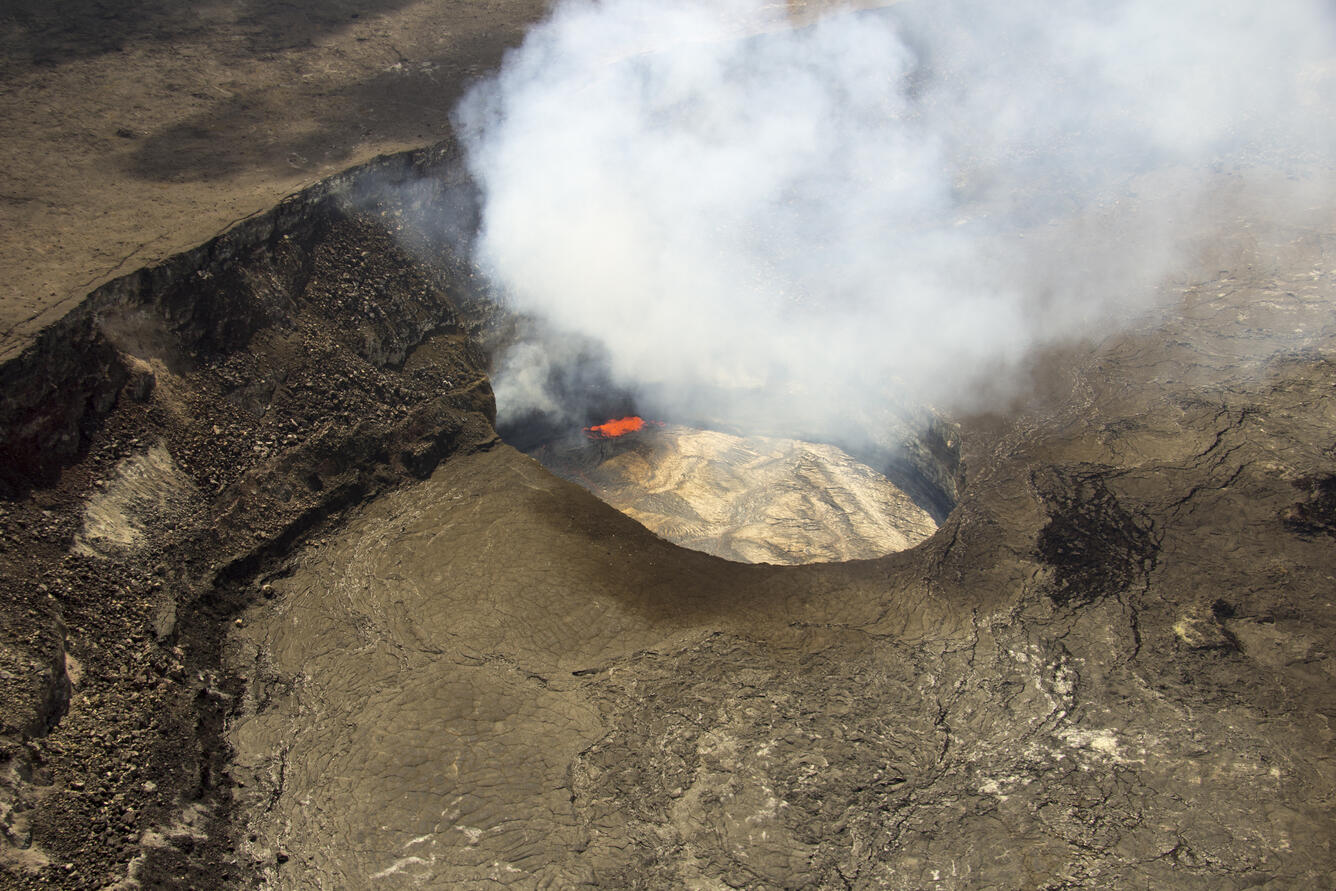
(731, 482)
(287, 609)
(281, 609)
(750, 498)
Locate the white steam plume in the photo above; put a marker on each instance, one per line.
(908, 198)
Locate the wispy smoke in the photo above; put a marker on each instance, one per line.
(908, 200)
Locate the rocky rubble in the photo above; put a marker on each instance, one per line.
(164, 443)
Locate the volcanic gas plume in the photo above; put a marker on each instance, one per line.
(790, 222)
(814, 231)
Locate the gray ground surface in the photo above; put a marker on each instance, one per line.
(1112, 667)
(279, 609)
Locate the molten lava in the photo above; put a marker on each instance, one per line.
(615, 428)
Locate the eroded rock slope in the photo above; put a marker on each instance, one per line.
(170, 437)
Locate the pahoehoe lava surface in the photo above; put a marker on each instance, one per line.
(1111, 667)
(280, 610)
(285, 612)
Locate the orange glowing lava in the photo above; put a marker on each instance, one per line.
(618, 427)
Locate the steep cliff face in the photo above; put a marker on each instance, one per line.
(170, 438)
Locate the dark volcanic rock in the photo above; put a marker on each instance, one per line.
(1316, 513)
(279, 610)
(172, 437)
(1095, 547)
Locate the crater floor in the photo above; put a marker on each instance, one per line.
(753, 499)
